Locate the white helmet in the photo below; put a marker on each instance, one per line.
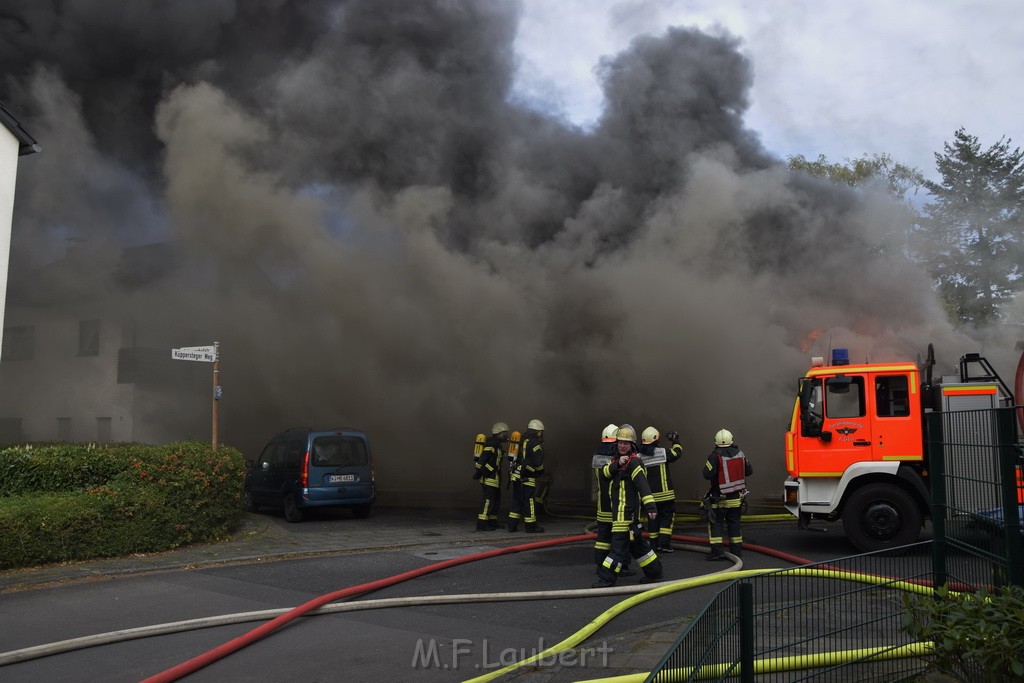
(498, 428)
(609, 432)
(650, 435)
(535, 425)
(723, 437)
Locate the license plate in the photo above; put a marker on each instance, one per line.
(339, 478)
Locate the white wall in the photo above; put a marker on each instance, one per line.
(58, 383)
(8, 171)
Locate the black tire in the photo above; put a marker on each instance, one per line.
(292, 512)
(879, 516)
(248, 503)
(361, 511)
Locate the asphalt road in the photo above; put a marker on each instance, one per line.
(287, 565)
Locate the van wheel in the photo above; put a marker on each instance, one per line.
(879, 516)
(248, 503)
(292, 512)
(361, 511)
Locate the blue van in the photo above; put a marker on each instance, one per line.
(305, 468)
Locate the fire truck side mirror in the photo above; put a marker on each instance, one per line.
(825, 436)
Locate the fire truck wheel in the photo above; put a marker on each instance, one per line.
(879, 516)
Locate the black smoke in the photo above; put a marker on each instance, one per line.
(380, 233)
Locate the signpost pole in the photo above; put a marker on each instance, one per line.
(216, 390)
(205, 354)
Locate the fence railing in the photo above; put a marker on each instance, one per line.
(838, 620)
(977, 499)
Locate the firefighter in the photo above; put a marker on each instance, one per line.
(489, 473)
(726, 469)
(605, 451)
(660, 479)
(628, 490)
(523, 474)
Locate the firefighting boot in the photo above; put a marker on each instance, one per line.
(716, 553)
(602, 583)
(665, 545)
(482, 526)
(736, 549)
(513, 524)
(534, 528)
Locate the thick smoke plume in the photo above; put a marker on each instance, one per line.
(380, 234)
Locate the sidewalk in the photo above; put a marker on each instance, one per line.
(266, 536)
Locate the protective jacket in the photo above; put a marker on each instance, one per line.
(530, 463)
(604, 503)
(490, 462)
(628, 490)
(660, 476)
(727, 469)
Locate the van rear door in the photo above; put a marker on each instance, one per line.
(340, 461)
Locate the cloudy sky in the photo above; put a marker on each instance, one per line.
(835, 78)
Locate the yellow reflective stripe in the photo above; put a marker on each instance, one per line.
(821, 474)
(977, 389)
(647, 559)
(902, 457)
(855, 369)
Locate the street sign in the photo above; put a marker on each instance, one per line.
(204, 354)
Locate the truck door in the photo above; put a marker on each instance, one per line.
(842, 433)
(897, 423)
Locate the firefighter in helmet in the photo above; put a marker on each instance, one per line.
(489, 474)
(627, 491)
(660, 478)
(602, 455)
(523, 475)
(726, 469)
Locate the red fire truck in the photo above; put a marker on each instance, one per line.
(855, 449)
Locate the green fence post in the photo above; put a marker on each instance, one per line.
(1007, 436)
(937, 484)
(746, 632)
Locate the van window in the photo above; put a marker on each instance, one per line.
(845, 401)
(273, 455)
(295, 453)
(891, 396)
(338, 451)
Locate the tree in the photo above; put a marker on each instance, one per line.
(971, 237)
(898, 179)
(878, 171)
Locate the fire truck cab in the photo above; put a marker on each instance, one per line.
(855, 447)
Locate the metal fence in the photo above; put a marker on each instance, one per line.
(977, 497)
(842, 620)
(838, 620)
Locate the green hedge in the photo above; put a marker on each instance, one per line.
(76, 502)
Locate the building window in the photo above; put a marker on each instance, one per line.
(89, 338)
(19, 343)
(64, 429)
(103, 430)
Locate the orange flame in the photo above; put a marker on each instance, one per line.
(810, 338)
